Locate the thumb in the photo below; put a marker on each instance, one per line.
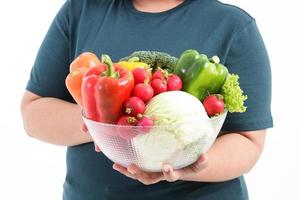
(84, 128)
(200, 164)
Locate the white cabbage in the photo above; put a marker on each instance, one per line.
(183, 126)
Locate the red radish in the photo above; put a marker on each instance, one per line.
(143, 91)
(134, 106)
(140, 75)
(214, 104)
(125, 129)
(174, 83)
(127, 120)
(159, 74)
(146, 123)
(159, 86)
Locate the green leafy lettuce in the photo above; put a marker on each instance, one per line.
(233, 94)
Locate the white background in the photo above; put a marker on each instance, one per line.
(30, 169)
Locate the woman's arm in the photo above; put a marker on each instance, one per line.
(231, 156)
(52, 120)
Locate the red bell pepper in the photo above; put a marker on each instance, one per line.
(88, 88)
(104, 92)
(112, 90)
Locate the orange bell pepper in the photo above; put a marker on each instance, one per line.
(86, 60)
(73, 83)
(78, 67)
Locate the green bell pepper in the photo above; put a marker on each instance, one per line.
(185, 61)
(201, 76)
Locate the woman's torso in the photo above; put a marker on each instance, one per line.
(117, 29)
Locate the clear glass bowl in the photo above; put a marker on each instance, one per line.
(150, 147)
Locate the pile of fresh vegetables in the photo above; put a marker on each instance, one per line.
(117, 93)
(148, 89)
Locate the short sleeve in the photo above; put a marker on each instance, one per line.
(249, 59)
(47, 77)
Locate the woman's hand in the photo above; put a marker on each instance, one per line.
(168, 174)
(84, 129)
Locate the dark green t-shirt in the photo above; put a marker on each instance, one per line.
(115, 27)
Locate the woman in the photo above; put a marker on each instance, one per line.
(118, 28)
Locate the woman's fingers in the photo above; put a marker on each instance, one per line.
(97, 148)
(123, 171)
(200, 164)
(170, 174)
(84, 128)
(137, 174)
(146, 178)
